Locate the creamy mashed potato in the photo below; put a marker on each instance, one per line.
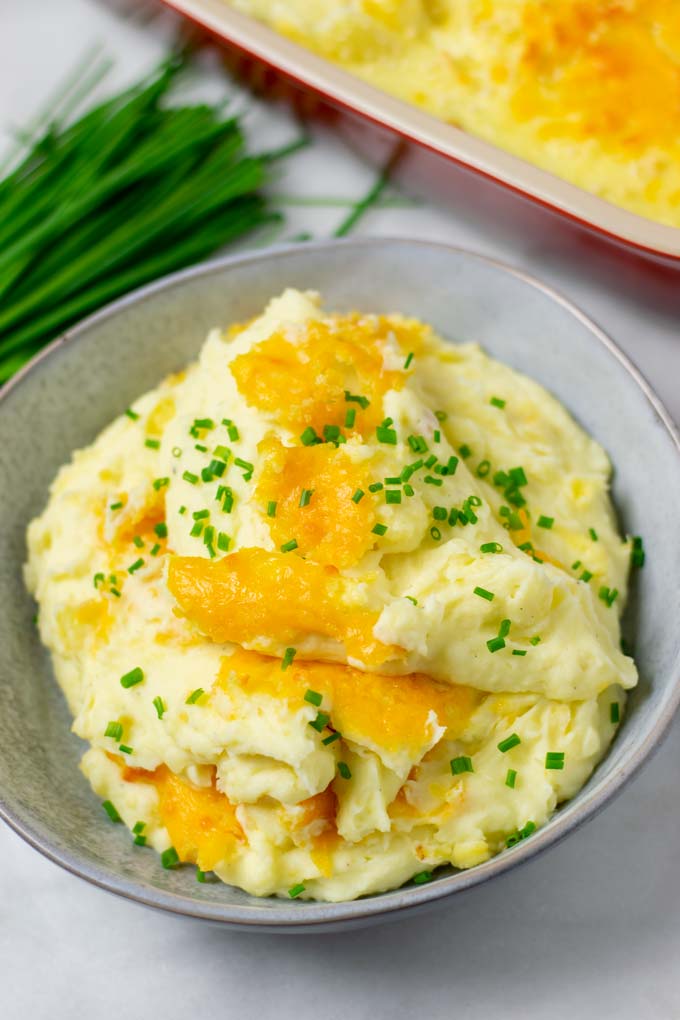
(337, 605)
(588, 89)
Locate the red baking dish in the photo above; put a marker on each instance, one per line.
(437, 157)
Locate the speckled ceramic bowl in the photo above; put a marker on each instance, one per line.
(72, 390)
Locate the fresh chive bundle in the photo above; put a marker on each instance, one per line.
(133, 189)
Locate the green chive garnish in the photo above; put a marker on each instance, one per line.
(497, 402)
(535, 640)
(511, 778)
(309, 437)
(495, 644)
(170, 858)
(545, 522)
(491, 547)
(422, 877)
(637, 556)
(289, 546)
(313, 697)
(332, 738)
(190, 477)
(137, 565)
(465, 451)
(440, 415)
(160, 706)
(408, 361)
(386, 435)
(321, 721)
(554, 760)
(350, 417)
(287, 660)
(271, 508)
(379, 529)
(134, 677)
(507, 745)
(614, 712)
(586, 576)
(358, 496)
(363, 402)
(111, 811)
(195, 696)
(161, 483)
(161, 529)
(344, 770)
(138, 541)
(484, 594)
(223, 541)
(608, 595)
(132, 414)
(392, 496)
(295, 890)
(519, 651)
(124, 749)
(593, 534)
(114, 730)
(116, 506)
(305, 497)
(461, 764)
(153, 444)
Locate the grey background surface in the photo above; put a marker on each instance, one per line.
(592, 928)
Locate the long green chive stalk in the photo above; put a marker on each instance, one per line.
(129, 191)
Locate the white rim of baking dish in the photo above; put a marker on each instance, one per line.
(351, 93)
(305, 916)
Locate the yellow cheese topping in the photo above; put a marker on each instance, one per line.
(388, 711)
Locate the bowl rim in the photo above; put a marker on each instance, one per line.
(309, 915)
(347, 91)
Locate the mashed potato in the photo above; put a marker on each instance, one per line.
(337, 605)
(588, 89)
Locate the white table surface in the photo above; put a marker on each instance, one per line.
(592, 929)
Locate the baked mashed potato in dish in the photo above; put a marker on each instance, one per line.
(337, 605)
(587, 89)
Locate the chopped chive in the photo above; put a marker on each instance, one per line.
(124, 749)
(379, 529)
(271, 508)
(491, 547)
(576, 564)
(497, 402)
(363, 402)
(132, 414)
(331, 433)
(222, 453)
(408, 361)
(159, 705)
(465, 451)
(153, 444)
(161, 483)
(139, 840)
(134, 677)
(138, 827)
(161, 529)
(417, 444)
(313, 697)
(518, 476)
(98, 579)
(289, 546)
(554, 760)
(206, 474)
(358, 496)
(608, 595)
(350, 417)
(614, 712)
(593, 534)
(408, 490)
(545, 522)
(320, 722)
(223, 541)
(114, 591)
(196, 529)
(461, 764)
(431, 461)
(393, 496)
(504, 628)
(483, 468)
(209, 535)
(199, 515)
(111, 811)
(190, 477)
(203, 423)
(249, 468)
(309, 437)
(411, 599)
(116, 506)
(170, 858)
(232, 432)
(511, 778)
(422, 877)
(155, 549)
(507, 745)
(429, 480)
(440, 415)
(387, 435)
(535, 640)
(305, 497)
(200, 875)
(437, 436)
(375, 487)
(138, 541)
(114, 730)
(288, 657)
(519, 651)
(435, 533)
(586, 576)
(177, 451)
(182, 510)
(344, 770)
(332, 738)
(495, 644)
(440, 513)
(484, 594)
(137, 565)
(217, 468)
(195, 696)
(295, 890)
(637, 556)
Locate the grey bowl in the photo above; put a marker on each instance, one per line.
(91, 374)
